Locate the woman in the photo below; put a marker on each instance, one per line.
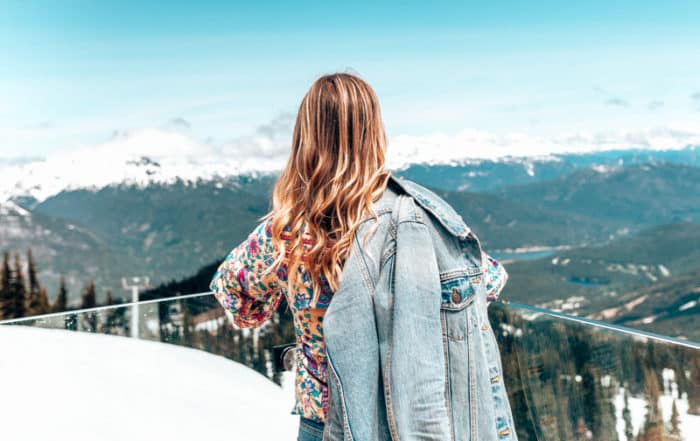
(334, 173)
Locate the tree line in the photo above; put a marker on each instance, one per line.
(22, 295)
(563, 380)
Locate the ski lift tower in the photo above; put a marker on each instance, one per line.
(135, 284)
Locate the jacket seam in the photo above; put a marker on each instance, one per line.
(380, 212)
(472, 377)
(346, 425)
(451, 274)
(367, 279)
(387, 370)
(448, 383)
(364, 268)
(390, 251)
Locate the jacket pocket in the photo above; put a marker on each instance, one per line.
(458, 295)
(458, 292)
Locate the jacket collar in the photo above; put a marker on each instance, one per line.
(434, 204)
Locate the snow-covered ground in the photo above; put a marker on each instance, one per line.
(75, 386)
(689, 424)
(60, 384)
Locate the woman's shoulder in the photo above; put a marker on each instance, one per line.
(438, 207)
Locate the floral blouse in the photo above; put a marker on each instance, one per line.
(250, 295)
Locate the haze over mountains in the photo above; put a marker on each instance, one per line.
(103, 217)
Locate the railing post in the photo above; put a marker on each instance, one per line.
(135, 284)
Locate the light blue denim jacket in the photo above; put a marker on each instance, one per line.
(411, 353)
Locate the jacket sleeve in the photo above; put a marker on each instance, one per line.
(496, 277)
(417, 359)
(244, 284)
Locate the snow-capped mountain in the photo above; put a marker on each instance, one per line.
(158, 201)
(138, 158)
(167, 155)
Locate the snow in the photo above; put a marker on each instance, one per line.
(79, 386)
(689, 424)
(140, 157)
(482, 144)
(688, 305)
(163, 155)
(603, 169)
(9, 208)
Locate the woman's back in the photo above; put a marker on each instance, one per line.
(334, 175)
(250, 293)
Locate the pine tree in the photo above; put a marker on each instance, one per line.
(60, 305)
(238, 354)
(693, 367)
(6, 299)
(34, 289)
(186, 336)
(260, 360)
(89, 300)
(653, 427)
(109, 315)
(675, 432)
(17, 289)
(89, 297)
(44, 305)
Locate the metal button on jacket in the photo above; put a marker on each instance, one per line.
(455, 295)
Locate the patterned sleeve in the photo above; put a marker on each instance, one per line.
(243, 283)
(496, 278)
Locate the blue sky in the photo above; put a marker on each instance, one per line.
(73, 73)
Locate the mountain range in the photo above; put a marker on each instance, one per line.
(530, 212)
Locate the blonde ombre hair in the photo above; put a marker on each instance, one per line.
(334, 173)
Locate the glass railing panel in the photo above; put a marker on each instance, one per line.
(568, 378)
(574, 379)
(84, 377)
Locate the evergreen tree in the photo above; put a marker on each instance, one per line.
(187, 339)
(89, 300)
(18, 290)
(6, 298)
(260, 360)
(60, 305)
(653, 426)
(110, 322)
(34, 306)
(44, 305)
(238, 354)
(675, 432)
(694, 392)
(89, 297)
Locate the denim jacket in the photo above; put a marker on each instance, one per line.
(411, 352)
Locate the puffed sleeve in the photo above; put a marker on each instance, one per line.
(244, 283)
(496, 277)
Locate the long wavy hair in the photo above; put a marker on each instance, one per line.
(334, 173)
